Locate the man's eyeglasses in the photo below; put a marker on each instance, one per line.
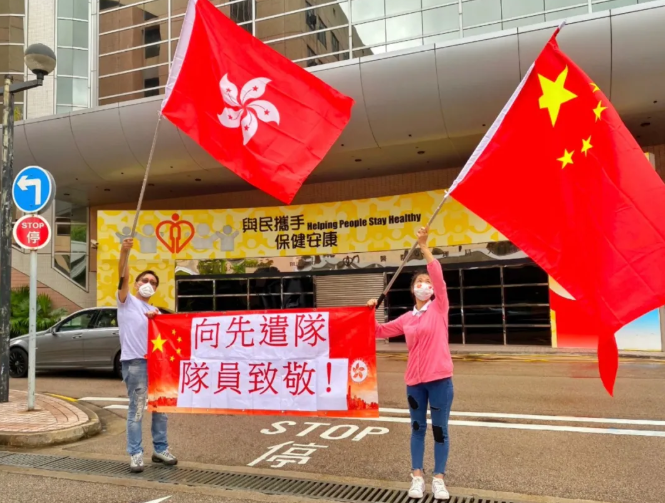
(145, 280)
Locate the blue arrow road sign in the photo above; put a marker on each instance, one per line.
(33, 189)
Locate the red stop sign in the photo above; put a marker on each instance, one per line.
(32, 232)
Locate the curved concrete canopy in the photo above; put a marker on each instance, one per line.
(418, 109)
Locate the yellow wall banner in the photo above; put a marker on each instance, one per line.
(366, 225)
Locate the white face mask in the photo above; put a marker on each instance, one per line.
(423, 291)
(146, 290)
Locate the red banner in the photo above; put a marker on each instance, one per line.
(308, 362)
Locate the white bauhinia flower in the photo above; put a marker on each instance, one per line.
(246, 110)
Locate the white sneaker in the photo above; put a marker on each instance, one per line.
(136, 463)
(439, 489)
(417, 490)
(164, 457)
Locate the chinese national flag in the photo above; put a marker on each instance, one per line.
(561, 177)
(257, 113)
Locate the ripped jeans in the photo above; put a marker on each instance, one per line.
(135, 376)
(439, 394)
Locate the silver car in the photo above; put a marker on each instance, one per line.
(87, 339)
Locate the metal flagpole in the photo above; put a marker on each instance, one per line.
(138, 207)
(410, 252)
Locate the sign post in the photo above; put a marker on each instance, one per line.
(33, 191)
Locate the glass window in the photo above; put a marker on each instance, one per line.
(138, 14)
(72, 62)
(11, 60)
(400, 6)
(483, 335)
(440, 20)
(107, 319)
(558, 4)
(70, 247)
(481, 30)
(12, 7)
(537, 336)
(527, 295)
(63, 109)
(362, 10)
(195, 304)
(195, 288)
(613, 4)
(322, 36)
(132, 81)
(404, 27)
(304, 47)
(72, 33)
(480, 11)
(134, 58)
(11, 29)
(65, 89)
(516, 8)
(524, 21)
(72, 91)
(563, 14)
(483, 316)
(482, 296)
(371, 33)
(482, 277)
(524, 275)
(65, 8)
(79, 321)
(303, 22)
(80, 9)
(132, 37)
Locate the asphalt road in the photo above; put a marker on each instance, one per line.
(564, 455)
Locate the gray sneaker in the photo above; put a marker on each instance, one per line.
(164, 457)
(136, 463)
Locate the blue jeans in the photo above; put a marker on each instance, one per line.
(135, 376)
(439, 394)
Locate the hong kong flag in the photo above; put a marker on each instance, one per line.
(559, 175)
(260, 115)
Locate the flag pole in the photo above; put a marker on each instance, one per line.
(140, 203)
(410, 252)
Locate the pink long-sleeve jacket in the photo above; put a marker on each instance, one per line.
(426, 334)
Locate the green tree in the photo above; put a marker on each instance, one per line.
(20, 312)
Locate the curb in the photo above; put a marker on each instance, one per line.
(56, 437)
(656, 356)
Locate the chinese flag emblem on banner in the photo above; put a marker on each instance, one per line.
(560, 176)
(316, 362)
(257, 113)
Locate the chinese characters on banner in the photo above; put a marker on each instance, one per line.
(303, 362)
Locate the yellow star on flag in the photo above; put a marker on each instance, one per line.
(173, 332)
(594, 87)
(171, 358)
(178, 350)
(158, 343)
(179, 339)
(566, 159)
(599, 110)
(586, 145)
(554, 94)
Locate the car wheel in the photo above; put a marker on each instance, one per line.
(18, 363)
(117, 366)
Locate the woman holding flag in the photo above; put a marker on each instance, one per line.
(429, 369)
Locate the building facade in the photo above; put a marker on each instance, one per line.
(428, 77)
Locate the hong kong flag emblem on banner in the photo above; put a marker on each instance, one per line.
(311, 362)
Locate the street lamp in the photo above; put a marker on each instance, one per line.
(40, 59)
